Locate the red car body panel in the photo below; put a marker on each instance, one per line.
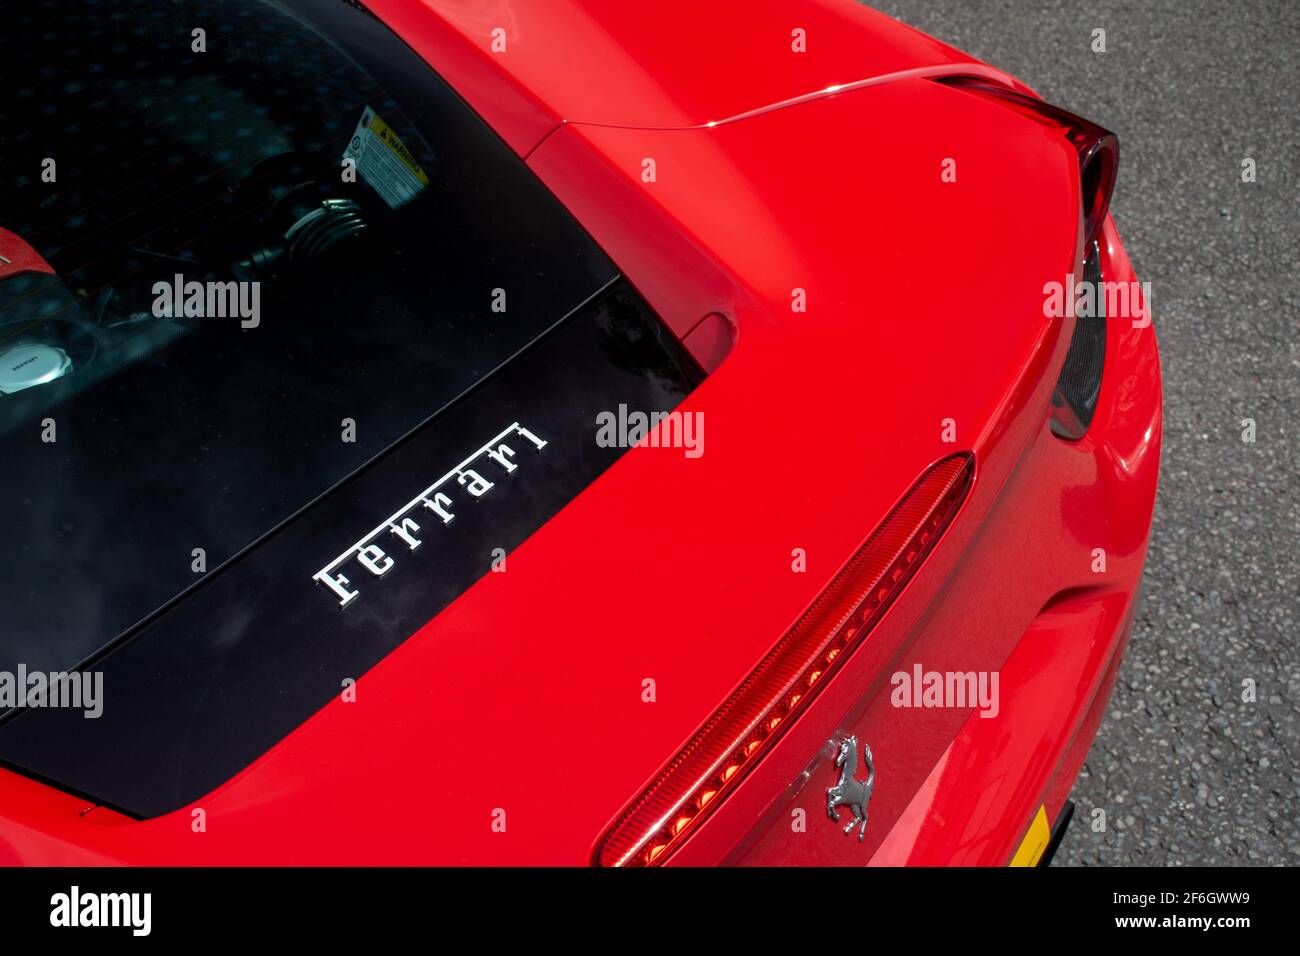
(924, 304)
(16, 256)
(676, 66)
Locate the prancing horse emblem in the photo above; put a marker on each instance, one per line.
(855, 793)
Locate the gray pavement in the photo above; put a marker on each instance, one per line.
(1185, 770)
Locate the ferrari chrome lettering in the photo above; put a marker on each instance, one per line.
(438, 505)
(404, 530)
(370, 555)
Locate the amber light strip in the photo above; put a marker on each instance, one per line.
(785, 681)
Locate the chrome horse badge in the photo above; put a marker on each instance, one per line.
(856, 794)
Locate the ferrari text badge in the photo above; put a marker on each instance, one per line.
(406, 524)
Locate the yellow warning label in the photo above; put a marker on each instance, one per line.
(1035, 842)
(384, 133)
(384, 161)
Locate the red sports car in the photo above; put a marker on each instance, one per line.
(553, 432)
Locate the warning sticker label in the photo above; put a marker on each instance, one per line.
(383, 160)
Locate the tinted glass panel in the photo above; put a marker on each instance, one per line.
(229, 278)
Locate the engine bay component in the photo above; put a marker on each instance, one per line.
(27, 366)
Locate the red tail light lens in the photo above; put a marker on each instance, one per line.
(741, 731)
(1097, 148)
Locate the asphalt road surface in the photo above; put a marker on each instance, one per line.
(1186, 771)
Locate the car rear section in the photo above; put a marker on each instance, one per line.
(841, 275)
(1036, 576)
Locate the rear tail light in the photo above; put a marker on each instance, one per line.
(1097, 149)
(1075, 399)
(746, 726)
